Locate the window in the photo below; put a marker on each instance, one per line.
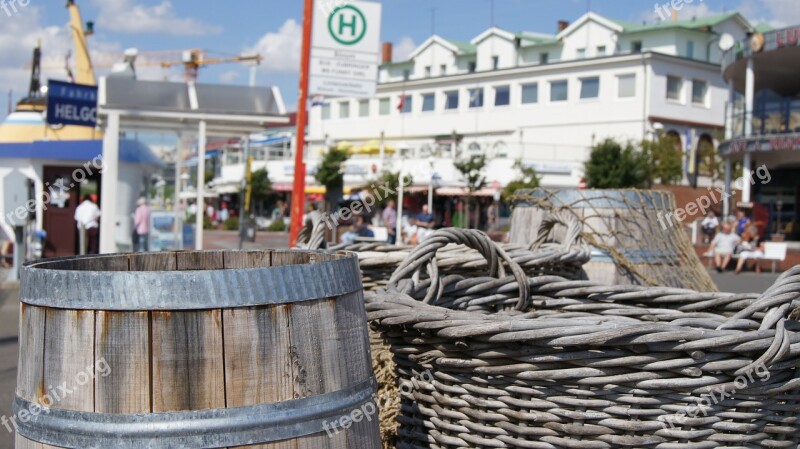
(590, 88)
(690, 49)
(626, 86)
(543, 58)
(451, 100)
(580, 53)
(530, 93)
(363, 108)
(406, 74)
(427, 71)
(407, 103)
(384, 106)
(344, 109)
(443, 69)
(471, 67)
(495, 62)
(601, 50)
(476, 98)
(699, 92)
(326, 111)
(502, 96)
(636, 47)
(674, 87)
(558, 90)
(428, 102)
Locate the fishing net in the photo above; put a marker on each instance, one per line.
(632, 232)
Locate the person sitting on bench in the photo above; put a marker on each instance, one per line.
(722, 247)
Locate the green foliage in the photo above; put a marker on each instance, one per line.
(261, 186)
(666, 164)
(392, 181)
(472, 172)
(209, 176)
(231, 224)
(207, 224)
(528, 179)
(610, 166)
(277, 226)
(330, 175)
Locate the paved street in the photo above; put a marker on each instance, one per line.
(9, 309)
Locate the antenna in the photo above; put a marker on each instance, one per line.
(491, 12)
(433, 21)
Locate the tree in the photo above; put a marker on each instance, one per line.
(472, 172)
(392, 181)
(527, 180)
(610, 166)
(261, 187)
(665, 160)
(330, 174)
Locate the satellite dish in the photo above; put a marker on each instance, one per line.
(726, 42)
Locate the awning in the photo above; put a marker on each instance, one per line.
(373, 147)
(274, 140)
(132, 151)
(463, 191)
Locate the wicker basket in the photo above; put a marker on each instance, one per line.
(576, 364)
(543, 257)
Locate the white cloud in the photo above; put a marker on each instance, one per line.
(229, 77)
(403, 49)
(281, 49)
(126, 16)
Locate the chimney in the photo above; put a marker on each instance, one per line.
(674, 14)
(387, 53)
(562, 25)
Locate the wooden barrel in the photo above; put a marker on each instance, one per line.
(265, 349)
(635, 238)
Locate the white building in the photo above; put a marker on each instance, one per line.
(544, 99)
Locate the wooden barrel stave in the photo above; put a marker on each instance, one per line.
(184, 360)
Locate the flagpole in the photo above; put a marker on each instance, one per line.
(299, 187)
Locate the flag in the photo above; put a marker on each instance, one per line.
(402, 104)
(318, 100)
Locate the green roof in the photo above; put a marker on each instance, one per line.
(699, 22)
(463, 47)
(537, 39)
(764, 27)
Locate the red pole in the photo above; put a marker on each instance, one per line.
(299, 188)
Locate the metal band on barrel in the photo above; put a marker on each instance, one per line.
(215, 428)
(187, 290)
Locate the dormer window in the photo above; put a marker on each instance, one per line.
(636, 47)
(495, 62)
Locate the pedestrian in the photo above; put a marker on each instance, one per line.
(709, 224)
(722, 247)
(389, 217)
(141, 224)
(426, 222)
(224, 213)
(742, 222)
(87, 217)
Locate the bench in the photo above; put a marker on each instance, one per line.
(773, 251)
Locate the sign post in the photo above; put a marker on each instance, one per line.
(345, 54)
(71, 104)
(299, 187)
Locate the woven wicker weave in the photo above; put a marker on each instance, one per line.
(576, 364)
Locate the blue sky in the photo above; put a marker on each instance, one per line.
(272, 27)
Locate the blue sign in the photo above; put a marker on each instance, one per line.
(71, 104)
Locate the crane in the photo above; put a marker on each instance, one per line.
(191, 59)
